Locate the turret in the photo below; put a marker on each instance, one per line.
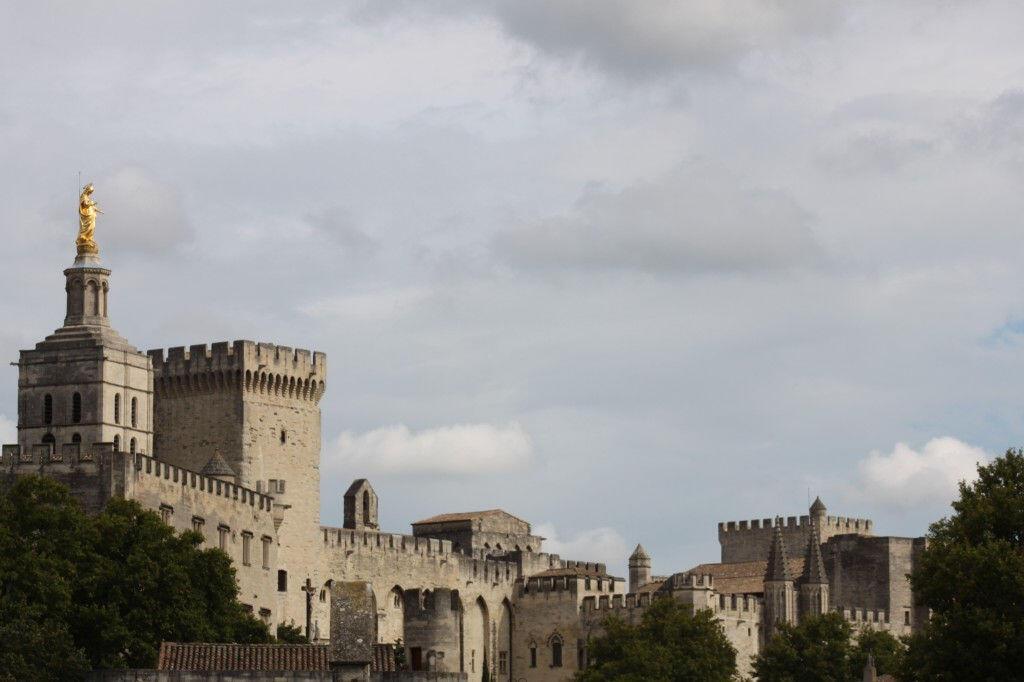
(219, 469)
(779, 595)
(818, 512)
(639, 568)
(814, 589)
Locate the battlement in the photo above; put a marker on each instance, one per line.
(615, 602)
(373, 542)
(861, 615)
(213, 486)
(74, 459)
(681, 581)
(257, 367)
(738, 606)
(838, 524)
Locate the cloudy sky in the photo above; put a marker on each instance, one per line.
(624, 269)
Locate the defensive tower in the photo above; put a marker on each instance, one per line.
(258, 406)
(639, 568)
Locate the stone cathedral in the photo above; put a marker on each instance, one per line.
(225, 438)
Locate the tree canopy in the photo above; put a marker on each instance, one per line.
(825, 648)
(671, 643)
(971, 575)
(80, 592)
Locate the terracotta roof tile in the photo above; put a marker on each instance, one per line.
(203, 657)
(465, 516)
(575, 572)
(746, 577)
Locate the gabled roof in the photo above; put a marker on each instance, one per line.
(217, 466)
(466, 516)
(203, 657)
(777, 568)
(356, 485)
(578, 571)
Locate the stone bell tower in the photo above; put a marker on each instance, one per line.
(85, 383)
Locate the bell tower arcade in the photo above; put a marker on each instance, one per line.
(85, 383)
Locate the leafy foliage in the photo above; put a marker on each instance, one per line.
(290, 633)
(670, 643)
(972, 577)
(824, 649)
(79, 592)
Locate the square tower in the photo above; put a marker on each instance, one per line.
(257, 407)
(85, 383)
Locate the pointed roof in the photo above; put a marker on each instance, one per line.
(778, 568)
(818, 506)
(217, 466)
(814, 566)
(639, 553)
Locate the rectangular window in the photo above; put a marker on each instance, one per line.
(282, 581)
(222, 532)
(197, 524)
(502, 662)
(266, 552)
(166, 511)
(246, 548)
(906, 617)
(533, 656)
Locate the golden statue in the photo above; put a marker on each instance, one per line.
(87, 210)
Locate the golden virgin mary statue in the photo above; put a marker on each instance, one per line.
(87, 210)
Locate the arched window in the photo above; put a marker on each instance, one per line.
(76, 438)
(366, 506)
(131, 446)
(47, 409)
(49, 439)
(76, 407)
(556, 652)
(117, 408)
(117, 443)
(135, 412)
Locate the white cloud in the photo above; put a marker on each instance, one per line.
(458, 449)
(908, 478)
(604, 545)
(8, 430)
(694, 219)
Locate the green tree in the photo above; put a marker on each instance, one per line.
(971, 575)
(670, 643)
(44, 539)
(825, 649)
(290, 633)
(79, 591)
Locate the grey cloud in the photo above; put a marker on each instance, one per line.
(662, 36)
(338, 225)
(688, 221)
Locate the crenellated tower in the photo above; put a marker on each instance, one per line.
(257, 405)
(85, 383)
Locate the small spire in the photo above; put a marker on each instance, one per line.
(639, 553)
(814, 566)
(778, 569)
(217, 466)
(818, 506)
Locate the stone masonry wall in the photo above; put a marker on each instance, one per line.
(749, 540)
